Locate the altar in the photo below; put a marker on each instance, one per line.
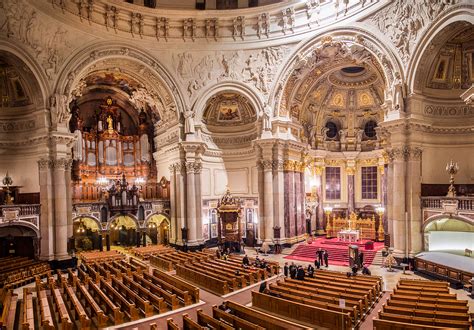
(348, 235)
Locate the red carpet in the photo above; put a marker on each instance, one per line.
(337, 250)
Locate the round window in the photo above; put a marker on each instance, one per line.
(332, 130)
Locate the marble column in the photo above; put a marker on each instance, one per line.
(173, 204)
(190, 203)
(413, 200)
(320, 225)
(197, 194)
(297, 199)
(60, 208)
(398, 213)
(350, 189)
(389, 210)
(268, 199)
(69, 199)
(279, 196)
(290, 217)
(47, 209)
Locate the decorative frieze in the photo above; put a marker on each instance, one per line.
(448, 111)
(17, 126)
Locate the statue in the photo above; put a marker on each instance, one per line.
(266, 114)
(398, 93)
(110, 124)
(189, 122)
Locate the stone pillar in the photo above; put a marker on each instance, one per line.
(47, 209)
(139, 239)
(60, 208)
(413, 200)
(268, 199)
(350, 189)
(144, 239)
(297, 199)
(320, 226)
(389, 210)
(279, 197)
(289, 199)
(190, 203)
(399, 235)
(101, 245)
(69, 199)
(197, 194)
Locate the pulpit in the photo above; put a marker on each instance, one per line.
(229, 233)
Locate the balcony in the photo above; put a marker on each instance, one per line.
(438, 205)
(21, 214)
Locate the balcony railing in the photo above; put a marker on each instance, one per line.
(437, 202)
(24, 209)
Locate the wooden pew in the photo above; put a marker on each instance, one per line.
(10, 320)
(138, 263)
(425, 321)
(259, 318)
(169, 298)
(45, 313)
(171, 325)
(189, 324)
(428, 289)
(7, 301)
(116, 303)
(208, 282)
(64, 318)
(361, 288)
(28, 318)
(237, 281)
(301, 312)
(93, 306)
(76, 308)
(235, 321)
(232, 282)
(149, 295)
(426, 313)
(432, 295)
(211, 323)
(393, 325)
(192, 290)
(438, 284)
(394, 301)
(161, 263)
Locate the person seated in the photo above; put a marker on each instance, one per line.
(300, 273)
(246, 261)
(310, 271)
(263, 287)
(365, 270)
(237, 272)
(218, 254)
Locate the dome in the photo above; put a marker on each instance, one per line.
(14, 91)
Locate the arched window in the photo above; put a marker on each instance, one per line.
(369, 129)
(332, 130)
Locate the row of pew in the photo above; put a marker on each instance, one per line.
(18, 271)
(420, 304)
(100, 256)
(328, 299)
(207, 271)
(100, 294)
(231, 315)
(144, 252)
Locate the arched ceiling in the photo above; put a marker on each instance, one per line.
(448, 66)
(17, 83)
(228, 111)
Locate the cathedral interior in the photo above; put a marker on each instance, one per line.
(152, 135)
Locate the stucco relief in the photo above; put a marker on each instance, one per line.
(403, 21)
(17, 125)
(50, 43)
(256, 68)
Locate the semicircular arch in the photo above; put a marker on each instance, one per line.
(128, 216)
(439, 217)
(22, 224)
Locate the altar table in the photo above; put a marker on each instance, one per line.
(348, 235)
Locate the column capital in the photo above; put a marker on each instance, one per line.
(62, 163)
(414, 153)
(197, 167)
(266, 164)
(398, 154)
(278, 165)
(189, 167)
(45, 163)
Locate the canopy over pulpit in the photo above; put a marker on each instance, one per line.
(228, 209)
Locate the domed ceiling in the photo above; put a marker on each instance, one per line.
(14, 90)
(347, 88)
(449, 63)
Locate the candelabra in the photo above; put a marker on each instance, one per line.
(452, 168)
(8, 182)
(380, 232)
(327, 211)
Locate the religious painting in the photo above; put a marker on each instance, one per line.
(229, 111)
(116, 79)
(205, 231)
(441, 69)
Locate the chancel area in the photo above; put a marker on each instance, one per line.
(209, 164)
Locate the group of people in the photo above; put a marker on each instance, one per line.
(322, 258)
(258, 263)
(297, 272)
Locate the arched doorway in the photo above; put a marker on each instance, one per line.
(123, 231)
(449, 234)
(86, 233)
(158, 229)
(18, 241)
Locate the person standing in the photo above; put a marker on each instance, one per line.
(300, 273)
(286, 269)
(293, 271)
(320, 254)
(326, 258)
(246, 261)
(361, 259)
